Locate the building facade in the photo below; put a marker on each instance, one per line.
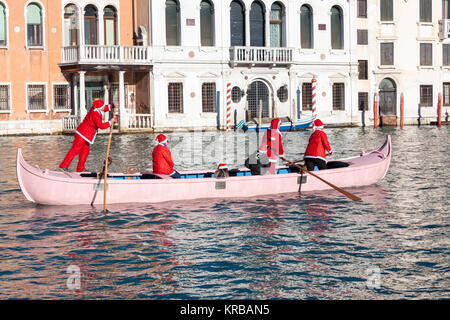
(207, 64)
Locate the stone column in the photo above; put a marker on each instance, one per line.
(247, 27)
(83, 110)
(123, 117)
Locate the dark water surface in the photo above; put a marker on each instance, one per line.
(394, 244)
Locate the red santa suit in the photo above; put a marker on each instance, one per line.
(85, 135)
(162, 157)
(272, 145)
(318, 143)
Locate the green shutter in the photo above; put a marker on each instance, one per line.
(33, 14)
(2, 25)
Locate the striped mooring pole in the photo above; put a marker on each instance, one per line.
(313, 93)
(228, 105)
(439, 110)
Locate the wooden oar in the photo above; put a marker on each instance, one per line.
(346, 193)
(105, 173)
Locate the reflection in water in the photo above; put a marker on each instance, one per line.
(295, 246)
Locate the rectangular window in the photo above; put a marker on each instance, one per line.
(387, 54)
(36, 97)
(175, 94)
(61, 99)
(362, 8)
(386, 10)
(446, 94)
(362, 69)
(4, 98)
(363, 101)
(426, 96)
(362, 37)
(209, 97)
(338, 96)
(446, 54)
(306, 96)
(425, 11)
(426, 54)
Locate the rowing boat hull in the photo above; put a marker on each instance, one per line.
(61, 188)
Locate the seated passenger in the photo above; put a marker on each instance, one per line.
(315, 151)
(162, 158)
(222, 171)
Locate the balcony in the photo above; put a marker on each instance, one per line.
(444, 29)
(260, 56)
(105, 55)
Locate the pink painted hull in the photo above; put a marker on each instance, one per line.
(59, 188)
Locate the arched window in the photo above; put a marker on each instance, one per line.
(172, 23)
(3, 38)
(70, 25)
(306, 29)
(257, 24)
(110, 25)
(90, 25)
(237, 24)
(34, 25)
(206, 23)
(276, 25)
(337, 34)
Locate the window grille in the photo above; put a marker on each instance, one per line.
(61, 98)
(4, 97)
(36, 97)
(307, 96)
(338, 96)
(236, 94)
(363, 101)
(426, 96)
(209, 97)
(175, 94)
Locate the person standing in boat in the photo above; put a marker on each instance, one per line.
(317, 145)
(85, 135)
(272, 145)
(162, 158)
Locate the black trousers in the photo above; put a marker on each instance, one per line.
(311, 162)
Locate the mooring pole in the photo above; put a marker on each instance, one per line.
(375, 110)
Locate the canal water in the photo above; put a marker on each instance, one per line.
(392, 245)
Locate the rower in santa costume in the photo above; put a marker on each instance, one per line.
(85, 135)
(315, 151)
(272, 145)
(162, 158)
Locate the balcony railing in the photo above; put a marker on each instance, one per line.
(70, 123)
(260, 55)
(95, 54)
(139, 121)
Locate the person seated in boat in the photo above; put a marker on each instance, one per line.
(272, 144)
(317, 145)
(85, 135)
(162, 158)
(222, 171)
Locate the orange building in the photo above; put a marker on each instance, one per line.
(51, 50)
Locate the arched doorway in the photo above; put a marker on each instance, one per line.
(388, 97)
(257, 93)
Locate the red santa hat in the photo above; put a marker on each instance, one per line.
(318, 124)
(161, 138)
(98, 104)
(275, 123)
(223, 166)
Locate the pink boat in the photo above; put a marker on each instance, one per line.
(62, 188)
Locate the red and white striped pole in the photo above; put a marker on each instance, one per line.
(228, 105)
(313, 93)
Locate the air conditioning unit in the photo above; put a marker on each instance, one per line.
(444, 29)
